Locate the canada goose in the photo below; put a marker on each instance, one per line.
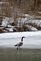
(20, 43)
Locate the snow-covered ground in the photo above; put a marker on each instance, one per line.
(31, 40)
(31, 24)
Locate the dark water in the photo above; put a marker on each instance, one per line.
(11, 54)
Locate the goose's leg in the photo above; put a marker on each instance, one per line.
(17, 48)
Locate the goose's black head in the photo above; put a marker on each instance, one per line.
(22, 38)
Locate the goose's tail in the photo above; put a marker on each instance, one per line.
(15, 45)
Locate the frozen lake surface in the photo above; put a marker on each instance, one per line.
(31, 40)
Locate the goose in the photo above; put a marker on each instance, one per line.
(20, 43)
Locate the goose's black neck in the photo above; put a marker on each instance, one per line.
(22, 38)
